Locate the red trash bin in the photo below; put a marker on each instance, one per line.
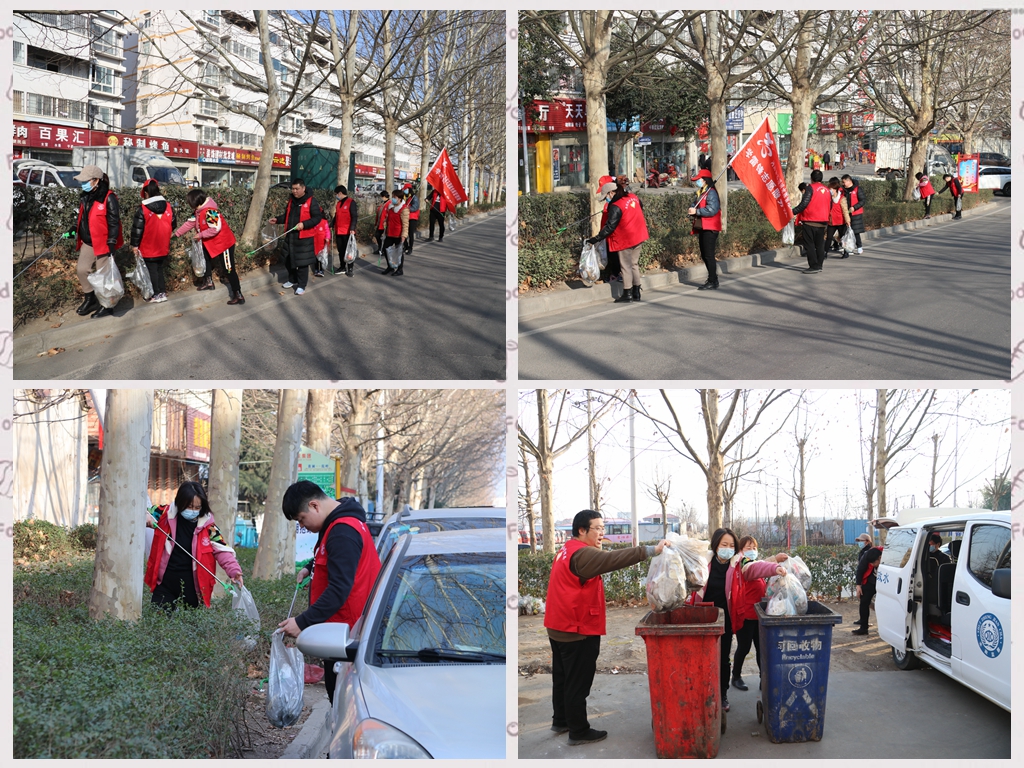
(682, 672)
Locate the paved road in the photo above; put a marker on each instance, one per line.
(930, 304)
(444, 319)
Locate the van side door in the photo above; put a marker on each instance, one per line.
(895, 586)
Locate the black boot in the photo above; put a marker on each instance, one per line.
(350, 269)
(626, 297)
(636, 293)
(103, 312)
(709, 286)
(89, 304)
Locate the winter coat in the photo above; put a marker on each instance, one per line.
(734, 587)
(300, 251)
(113, 214)
(856, 222)
(156, 204)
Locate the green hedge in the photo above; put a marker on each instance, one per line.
(832, 568)
(547, 256)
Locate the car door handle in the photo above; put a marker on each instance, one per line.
(963, 598)
(899, 585)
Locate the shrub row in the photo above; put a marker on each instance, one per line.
(42, 541)
(547, 255)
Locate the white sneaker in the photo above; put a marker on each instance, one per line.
(299, 291)
(860, 250)
(159, 297)
(289, 284)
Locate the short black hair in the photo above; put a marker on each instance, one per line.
(846, 177)
(935, 538)
(582, 520)
(720, 534)
(187, 492)
(298, 496)
(874, 554)
(398, 192)
(341, 188)
(947, 175)
(298, 181)
(801, 186)
(195, 198)
(384, 193)
(817, 176)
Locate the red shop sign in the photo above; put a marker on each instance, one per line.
(46, 136)
(173, 148)
(558, 116)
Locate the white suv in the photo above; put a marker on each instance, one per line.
(952, 611)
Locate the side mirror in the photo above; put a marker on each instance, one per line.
(329, 640)
(1001, 582)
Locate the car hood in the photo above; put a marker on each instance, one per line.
(452, 710)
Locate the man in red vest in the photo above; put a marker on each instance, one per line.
(345, 562)
(956, 189)
(575, 620)
(814, 207)
(301, 215)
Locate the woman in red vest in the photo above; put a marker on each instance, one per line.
(838, 218)
(396, 229)
(413, 201)
(382, 217)
(707, 223)
(186, 533)
(345, 561)
(344, 225)
(924, 186)
(626, 232)
(151, 236)
(855, 202)
(815, 206)
(438, 210)
(218, 242)
(97, 233)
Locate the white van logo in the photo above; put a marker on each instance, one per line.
(990, 635)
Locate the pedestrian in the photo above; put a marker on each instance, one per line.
(413, 201)
(438, 209)
(396, 230)
(218, 241)
(956, 189)
(614, 265)
(151, 236)
(867, 565)
(626, 231)
(827, 159)
(814, 205)
(97, 233)
(856, 206)
(302, 213)
(838, 218)
(927, 192)
(707, 223)
(575, 620)
(746, 589)
(185, 570)
(382, 211)
(345, 562)
(344, 225)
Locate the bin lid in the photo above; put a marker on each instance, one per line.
(702, 619)
(816, 614)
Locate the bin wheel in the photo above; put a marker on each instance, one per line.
(723, 721)
(760, 711)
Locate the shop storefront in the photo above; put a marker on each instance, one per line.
(47, 142)
(226, 167)
(557, 154)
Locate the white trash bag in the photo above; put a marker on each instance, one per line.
(917, 193)
(789, 233)
(106, 282)
(795, 564)
(695, 559)
(451, 222)
(268, 233)
(324, 257)
(602, 254)
(241, 601)
(589, 271)
(198, 257)
(666, 581)
(140, 278)
(284, 683)
(394, 254)
(352, 249)
(788, 597)
(849, 243)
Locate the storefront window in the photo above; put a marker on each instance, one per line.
(572, 166)
(215, 177)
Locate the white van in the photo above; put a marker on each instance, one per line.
(950, 612)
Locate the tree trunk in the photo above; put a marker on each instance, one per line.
(932, 491)
(595, 74)
(531, 523)
(344, 70)
(275, 555)
(121, 533)
(802, 100)
(716, 464)
(881, 452)
(320, 419)
(225, 439)
(591, 459)
(664, 521)
(357, 427)
(545, 470)
(717, 92)
(802, 496)
(271, 127)
(390, 139)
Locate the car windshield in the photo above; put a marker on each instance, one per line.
(436, 524)
(68, 177)
(166, 175)
(448, 607)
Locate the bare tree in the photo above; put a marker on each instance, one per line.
(526, 497)
(659, 488)
(225, 440)
(320, 419)
(899, 415)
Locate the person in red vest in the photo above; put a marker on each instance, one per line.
(956, 189)
(344, 225)
(626, 232)
(924, 186)
(151, 236)
(575, 620)
(838, 218)
(396, 229)
(438, 209)
(218, 242)
(413, 201)
(707, 223)
(814, 207)
(302, 213)
(345, 561)
(855, 202)
(382, 215)
(171, 573)
(97, 233)
(614, 265)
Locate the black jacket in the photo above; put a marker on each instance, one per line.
(955, 188)
(156, 205)
(856, 222)
(344, 548)
(352, 210)
(113, 215)
(300, 250)
(614, 217)
(866, 571)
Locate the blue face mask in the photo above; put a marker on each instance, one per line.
(862, 543)
(190, 514)
(932, 548)
(87, 186)
(726, 552)
(700, 183)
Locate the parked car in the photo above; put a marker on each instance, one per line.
(993, 158)
(952, 614)
(418, 521)
(422, 673)
(39, 174)
(995, 177)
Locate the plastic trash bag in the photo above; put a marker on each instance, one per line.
(268, 233)
(241, 601)
(140, 278)
(589, 272)
(106, 282)
(602, 254)
(796, 565)
(394, 254)
(849, 243)
(198, 257)
(352, 249)
(666, 581)
(917, 193)
(694, 553)
(324, 257)
(451, 222)
(789, 233)
(788, 597)
(284, 683)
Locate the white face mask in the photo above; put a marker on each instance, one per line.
(750, 554)
(190, 514)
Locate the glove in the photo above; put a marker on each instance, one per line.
(592, 240)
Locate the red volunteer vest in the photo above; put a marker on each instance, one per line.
(855, 201)
(98, 227)
(393, 226)
(835, 216)
(710, 223)
(413, 215)
(343, 217)
(202, 550)
(821, 201)
(956, 187)
(366, 573)
(303, 216)
(745, 595)
(571, 607)
(632, 229)
(440, 202)
(382, 216)
(156, 237)
(220, 242)
(927, 188)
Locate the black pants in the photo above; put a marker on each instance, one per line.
(156, 268)
(614, 265)
(866, 593)
(927, 205)
(436, 217)
(958, 201)
(747, 635)
(379, 237)
(330, 679)
(814, 242)
(413, 223)
(170, 590)
(708, 240)
(856, 234)
(225, 262)
(830, 241)
(573, 666)
(341, 241)
(390, 241)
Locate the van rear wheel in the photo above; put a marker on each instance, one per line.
(905, 659)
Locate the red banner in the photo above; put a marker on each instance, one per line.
(559, 116)
(757, 164)
(827, 123)
(442, 177)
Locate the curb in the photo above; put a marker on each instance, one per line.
(571, 297)
(314, 736)
(82, 330)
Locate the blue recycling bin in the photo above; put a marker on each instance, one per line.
(795, 651)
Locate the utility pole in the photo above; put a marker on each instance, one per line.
(632, 478)
(591, 459)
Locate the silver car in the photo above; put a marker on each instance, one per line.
(422, 673)
(427, 520)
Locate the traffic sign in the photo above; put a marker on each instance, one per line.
(644, 140)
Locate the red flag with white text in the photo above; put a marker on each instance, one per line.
(757, 164)
(442, 177)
